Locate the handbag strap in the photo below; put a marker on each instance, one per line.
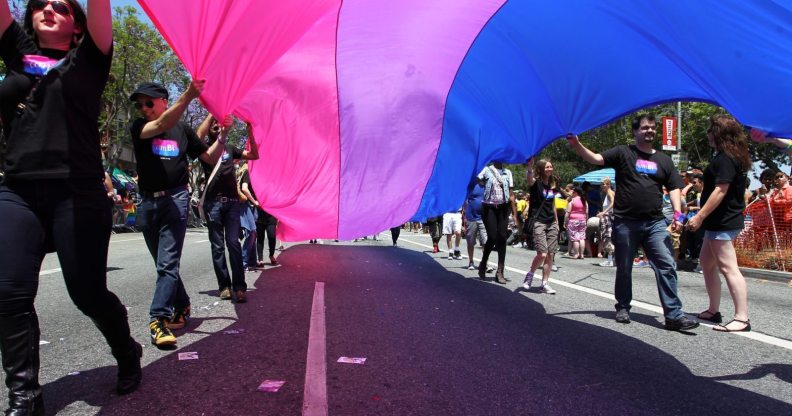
(223, 134)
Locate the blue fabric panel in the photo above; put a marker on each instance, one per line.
(540, 69)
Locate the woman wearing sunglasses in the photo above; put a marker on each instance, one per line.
(721, 216)
(53, 200)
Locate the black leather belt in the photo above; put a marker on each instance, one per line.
(167, 192)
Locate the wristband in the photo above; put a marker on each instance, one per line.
(679, 217)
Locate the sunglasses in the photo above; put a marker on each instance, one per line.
(60, 7)
(147, 103)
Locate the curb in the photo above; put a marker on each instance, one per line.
(773, 275)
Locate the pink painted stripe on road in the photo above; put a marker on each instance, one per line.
(315, 399)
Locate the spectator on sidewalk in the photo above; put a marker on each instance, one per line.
(575, 223)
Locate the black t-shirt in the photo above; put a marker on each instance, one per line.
(542, 200)
(162, 160)
(224, 182)
(729, 214)
(641, 177)
(57, 136)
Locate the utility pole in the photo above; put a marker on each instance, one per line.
(679, 126)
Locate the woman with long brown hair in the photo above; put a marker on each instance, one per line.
(543, 188)
(722, 205)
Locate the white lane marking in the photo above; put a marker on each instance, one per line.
(756, 336)
(129, 239)
(201, 241)
(315, 398)
(50, 271)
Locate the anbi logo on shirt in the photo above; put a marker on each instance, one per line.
(165, 147)
(646, 167)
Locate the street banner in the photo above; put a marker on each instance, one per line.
(669, 133)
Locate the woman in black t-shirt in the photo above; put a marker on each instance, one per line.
(53, 197)
(543, 188)
(721, 216)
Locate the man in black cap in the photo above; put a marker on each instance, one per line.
(162, 144)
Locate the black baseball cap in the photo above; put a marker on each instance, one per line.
(151, 89)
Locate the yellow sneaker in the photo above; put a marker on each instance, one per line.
(161, 336)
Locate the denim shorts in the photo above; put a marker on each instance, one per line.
(728, 235)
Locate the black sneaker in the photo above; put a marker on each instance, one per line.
(161, 336)
(623, 316)
(457, 254)
(682, 324)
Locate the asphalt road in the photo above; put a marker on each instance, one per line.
(437, 340)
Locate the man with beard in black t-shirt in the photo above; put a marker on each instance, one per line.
(641, 173)
(162, 144)
(223, 208)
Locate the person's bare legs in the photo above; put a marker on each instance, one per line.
(727, 264)
(547, 268)
(709, 268)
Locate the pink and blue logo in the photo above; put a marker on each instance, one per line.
(165, 147)
(38, 65)
(646, 167)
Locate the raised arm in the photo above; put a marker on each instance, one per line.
(251, 153)
(529, 174)
(100, 24)
(171, 116)
(783, 145)
(584, 152)
(203, 129)
(215, 151)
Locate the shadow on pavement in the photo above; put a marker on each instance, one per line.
(436, 343)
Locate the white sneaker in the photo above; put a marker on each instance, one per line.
(554, 268)
(606, 263)
(698, 269)
(547, 289)
(528, 280)
(471, 266)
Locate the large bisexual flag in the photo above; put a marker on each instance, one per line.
(371, 112)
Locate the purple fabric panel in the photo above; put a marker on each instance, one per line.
(396, 61)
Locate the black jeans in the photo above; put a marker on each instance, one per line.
(496, 221)
(261, 230)
(74, 219)
(70, 217)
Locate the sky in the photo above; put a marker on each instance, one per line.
(134, 4)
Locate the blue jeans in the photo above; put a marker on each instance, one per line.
(223, 221)
(627, 235)
(163, 221)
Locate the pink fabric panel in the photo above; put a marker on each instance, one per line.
(272, 63)
(396, 63)
(231, 43)
(295, 113)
